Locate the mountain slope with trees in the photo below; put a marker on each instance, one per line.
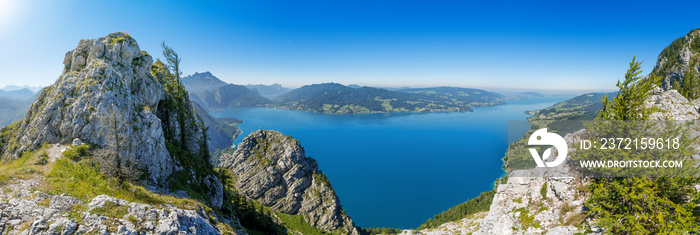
(201, 82)
(212, 93)
(268, 90)
(334, 98)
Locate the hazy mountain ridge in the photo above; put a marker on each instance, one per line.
(468, 95)
(21, 94)
(229, 96)
(268, 90)
(202, 82)
(12, 110)
(212, 93)
(34, 89)
(334, 98)
(14, 103)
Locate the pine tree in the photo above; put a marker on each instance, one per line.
(173, 60)
(115, 158)
(690, 85)
(628, 104)
(641, 205)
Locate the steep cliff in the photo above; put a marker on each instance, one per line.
(221, 131)
(113, 96)
(676, 60)
(273, 169)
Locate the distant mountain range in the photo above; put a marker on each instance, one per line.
(456, 94)
(268, 90)
(212, 93)
(385, 88)
(531, 94)
(34, 89)
(334, 98)
(14, 104)
(12, 110)
(21, 94)
(202, 82)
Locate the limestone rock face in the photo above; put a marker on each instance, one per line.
(108, 96)
(676, 60)
(52, 218)
(273, 169)
(101, 76)
(671, 105)
(552, 202)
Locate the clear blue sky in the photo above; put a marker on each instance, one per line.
(512, 44)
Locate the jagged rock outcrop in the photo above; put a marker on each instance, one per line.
(273, 169)
(112, 95)
(671, 105)
(41, 213)
(101, 76)
(677, 59)
(520, 200)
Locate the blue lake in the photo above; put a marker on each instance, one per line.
(398, 170)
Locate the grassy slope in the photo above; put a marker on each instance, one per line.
(83, 180)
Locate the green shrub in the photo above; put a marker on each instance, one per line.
(543, 190)
(471, 206)
(374, 231)
(526, 220)
(111, 209)
(115, 40)
(77, 152)
(297, 223)
(42, 159)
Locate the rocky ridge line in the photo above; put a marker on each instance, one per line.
(273, 169)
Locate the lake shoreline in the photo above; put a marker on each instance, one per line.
(432, 160)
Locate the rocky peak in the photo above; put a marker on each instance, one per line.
(108, 73)
(273, 169)
(107, 94)
(678, 58)
(202, 82)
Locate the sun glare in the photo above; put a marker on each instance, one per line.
(9, 11)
